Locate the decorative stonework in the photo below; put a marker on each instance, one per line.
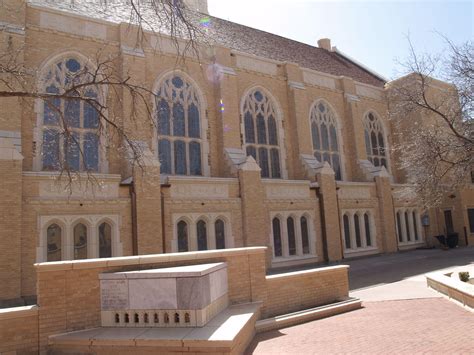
(354, 193)
(258, 65)
(317, 79)
(287, 191)
(197, 190)
(368, 91)
(54, 188)
(78, 27)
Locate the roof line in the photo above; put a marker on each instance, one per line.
(356, 62)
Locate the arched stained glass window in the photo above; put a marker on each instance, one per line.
(324, 136)
(290, 223)
(201, 235)
(277, 246)
(219, 228)
(105, 240)
(357, 230)
(347, 231)
(70, 126)
(54, 243)
(374, 141)
(304, 235)
(368, 236)
(183, 242)
(399, 227)
(261, 133)
(178, 116)
(80, 241)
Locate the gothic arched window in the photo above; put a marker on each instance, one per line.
(290, 224)
(54, 243)
(375, 145)
(179, 121)
(219, 228)
(261, 133)
(69, 126)
(105, 240)
(183, 244)
(304, 235)
(80, 241)
(347, 232)
(324, 136)
(277, 246)
(201, 235)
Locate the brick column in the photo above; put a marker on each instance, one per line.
(254, 214)
(387, 216)
(148, 205)
(330, 220)
(10, 220)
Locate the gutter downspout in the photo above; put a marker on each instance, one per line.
(133, 197)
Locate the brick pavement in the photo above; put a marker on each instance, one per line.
(417, 326)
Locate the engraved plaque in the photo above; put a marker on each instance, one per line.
(114, 294)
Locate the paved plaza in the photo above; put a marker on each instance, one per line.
(400, 315)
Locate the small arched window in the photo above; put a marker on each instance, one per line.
(277, 246)
(415, 225)
(357, 231)
(80, 241)
(304, 235)
(407, 225)
(399, 227)
(105, 240)
(179, 124)
(219, 228)
(183, 236)
(324, 136)
(261, 133)
(201, 235)
(70, 126)
(54, 243)
(368, 234)
(347, 231)
(290, 224)
(375, 144)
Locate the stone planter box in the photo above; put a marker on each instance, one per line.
(184, 296)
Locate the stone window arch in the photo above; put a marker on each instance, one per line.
(54, 237)
(325, 136)
(219, 228)
(358, 231)
(69, 133)
(347, 231)
(375, 142)
(201, 234)
(80, 241)
(277, 240)
(291, 233)
(263, 132)
(305, 234)
(105, 240)
(183, 237)
(408, 225)
(181, 126)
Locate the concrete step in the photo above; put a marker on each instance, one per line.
(229, 332)
(307, 315)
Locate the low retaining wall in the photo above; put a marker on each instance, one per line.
(19, 330)
(294, 291)
(455, 289)
(69, 291)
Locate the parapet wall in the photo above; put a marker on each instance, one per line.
(69, 291)
(19, 330)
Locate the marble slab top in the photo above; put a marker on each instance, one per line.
(169, 272)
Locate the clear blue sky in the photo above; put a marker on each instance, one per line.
(373, 32)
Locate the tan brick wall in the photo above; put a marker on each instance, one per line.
(19, 330)
(305, 289)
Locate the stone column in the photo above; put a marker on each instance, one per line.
(327, 195)
(146, 180)
(255, 219)
(386, 212)
(10, 220)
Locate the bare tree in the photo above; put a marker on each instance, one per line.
(434, 121)
(99, 84)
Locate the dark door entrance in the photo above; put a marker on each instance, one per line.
(448, 220)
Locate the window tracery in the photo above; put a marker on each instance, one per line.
(375, 144)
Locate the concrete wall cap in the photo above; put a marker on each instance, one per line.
(18, 312)
(321, 270)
